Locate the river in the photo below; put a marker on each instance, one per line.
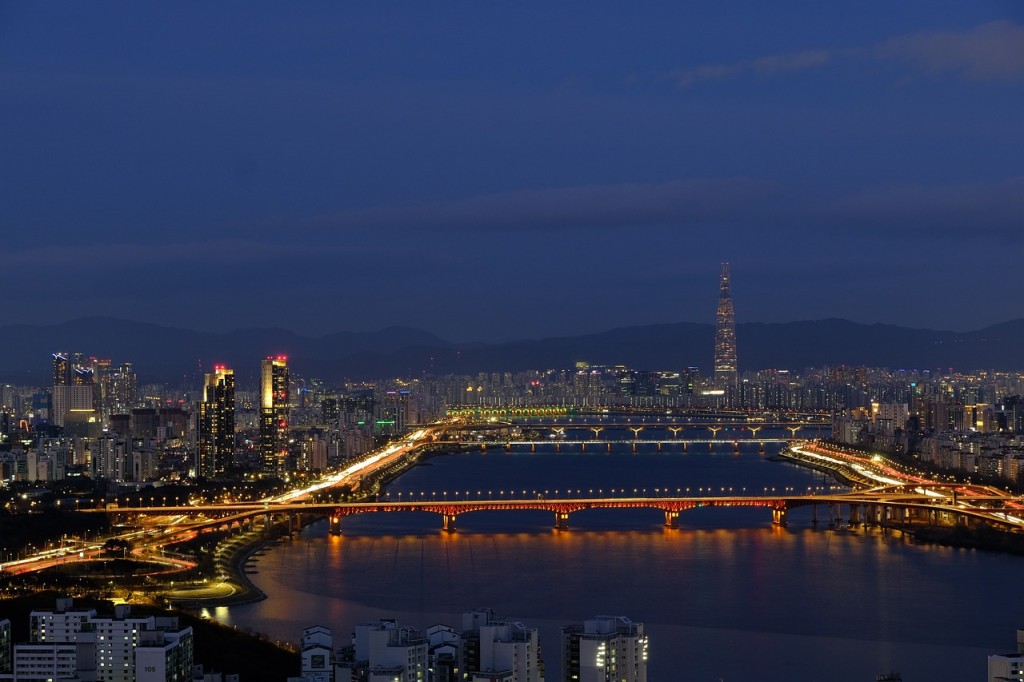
(726, 596)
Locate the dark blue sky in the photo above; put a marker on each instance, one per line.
(496, 170)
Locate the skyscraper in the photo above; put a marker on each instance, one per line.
(72, 387)
(61, 369)
(123, 389)
(217, 423)
(725, 335)
(274, 414)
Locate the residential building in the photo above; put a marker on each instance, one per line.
(604, 648)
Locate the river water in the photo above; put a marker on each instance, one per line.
(726, 596)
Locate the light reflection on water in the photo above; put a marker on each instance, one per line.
(794, 603)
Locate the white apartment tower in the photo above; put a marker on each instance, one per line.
(384, 652)
(604, 648)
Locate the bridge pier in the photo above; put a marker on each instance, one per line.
(562, 520)
(558, 447)
(671, 519)
(659, 446)
(814, 515)
(854, 514)
(449, 522)
(779, 516)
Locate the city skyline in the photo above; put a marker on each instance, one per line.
(347, 168)
(329, 317)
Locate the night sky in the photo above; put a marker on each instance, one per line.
(506, 170)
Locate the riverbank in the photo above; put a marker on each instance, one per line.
(232, 585)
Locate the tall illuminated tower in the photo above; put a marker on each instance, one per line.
(274, 414)
(725, 335)
(217, 423)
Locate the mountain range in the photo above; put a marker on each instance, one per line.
(168, 354)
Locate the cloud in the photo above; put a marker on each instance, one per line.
(762, 66)
(992, 51)
(124, 255)
(987, 52)
(679, 202)
(750, 208)
(966, 211)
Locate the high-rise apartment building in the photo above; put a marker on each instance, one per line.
(78, 644)
(217, 423)
(123, 389)
(317, 654)
(6, 662)
(274, 415)
(383, 651)
(604, 648)
(495, 649)
(725, 335)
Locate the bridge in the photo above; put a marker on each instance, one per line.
(931, 505)
(562, 411)
(609, 432)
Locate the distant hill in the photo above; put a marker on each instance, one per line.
(169, 354)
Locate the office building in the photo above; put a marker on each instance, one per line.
(274, 415)
(604, 648)
(725, 335)
(217, 423)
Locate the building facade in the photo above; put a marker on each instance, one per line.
(274, 397)
(604, 648)
(217, 423)
(725, 335)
